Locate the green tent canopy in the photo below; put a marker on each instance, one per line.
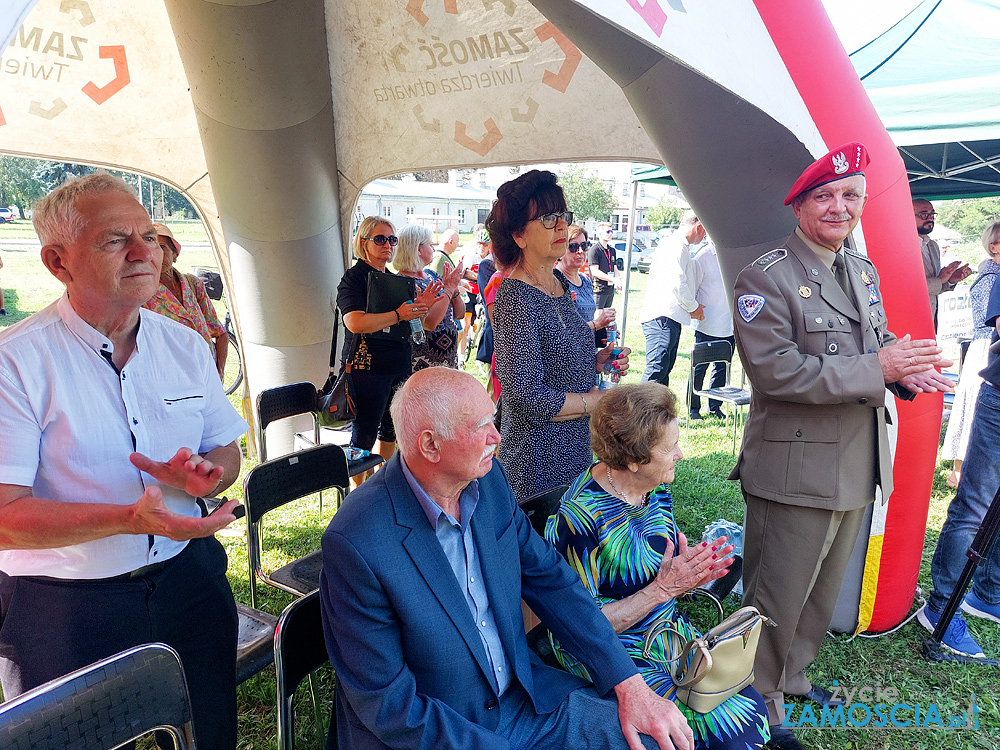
(934, 78)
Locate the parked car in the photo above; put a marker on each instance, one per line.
(640, 255)
(7, 214)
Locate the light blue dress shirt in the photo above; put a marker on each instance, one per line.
(460, 548)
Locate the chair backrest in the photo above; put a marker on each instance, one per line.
(706, 352)
(275, 483)
(104, 705)
(283, 402)
(539, 507)
(299, 648)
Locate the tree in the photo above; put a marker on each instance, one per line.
(969, 216)
(52, 174)
(18, 185)
(586, 196)
(432, 175)
(664, 215)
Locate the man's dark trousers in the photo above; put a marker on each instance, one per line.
(662, 337)
(53, 627)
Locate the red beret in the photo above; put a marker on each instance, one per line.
(844, 161)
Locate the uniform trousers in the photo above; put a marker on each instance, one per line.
(51, 627)
(794, 560)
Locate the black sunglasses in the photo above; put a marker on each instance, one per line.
(576, 246)
(381, 239)
(549, 221)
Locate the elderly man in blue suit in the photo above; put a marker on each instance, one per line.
(424, 568)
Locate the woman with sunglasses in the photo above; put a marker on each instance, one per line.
(545, 357)
(378, 366)
(580, 287)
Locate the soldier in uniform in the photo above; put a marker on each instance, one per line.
(813, 337)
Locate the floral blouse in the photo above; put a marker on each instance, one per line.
(195, 309)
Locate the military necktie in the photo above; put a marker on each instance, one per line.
(840, 271)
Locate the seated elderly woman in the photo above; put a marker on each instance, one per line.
(182, 297)
(615, 527)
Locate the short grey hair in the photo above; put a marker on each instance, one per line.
(407, 257)
(990, 235)
(690, 218)
(56, 218)
(430, 399)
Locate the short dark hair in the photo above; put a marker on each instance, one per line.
(519, 201)
(629, 421)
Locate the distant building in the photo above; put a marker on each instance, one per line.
(437, 205)
(466, 199)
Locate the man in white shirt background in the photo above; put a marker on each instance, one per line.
(670, 300)
(113, 425)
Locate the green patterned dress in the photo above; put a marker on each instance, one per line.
(616, 548)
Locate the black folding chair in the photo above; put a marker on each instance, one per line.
(299, 649)
(539, 507)
(283, 402)
(279, 482)
(103, 706)
(709, 353)
(254, 643)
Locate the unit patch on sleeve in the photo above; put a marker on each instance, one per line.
(749, 305)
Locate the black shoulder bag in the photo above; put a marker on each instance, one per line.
(336, 398)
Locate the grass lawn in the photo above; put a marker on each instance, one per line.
(702, 494)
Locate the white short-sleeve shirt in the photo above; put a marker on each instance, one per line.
(69, 420)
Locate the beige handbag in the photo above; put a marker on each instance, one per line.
(709, 669)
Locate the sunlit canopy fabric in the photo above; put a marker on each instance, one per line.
(934, 78)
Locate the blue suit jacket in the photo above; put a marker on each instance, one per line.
(411, 668)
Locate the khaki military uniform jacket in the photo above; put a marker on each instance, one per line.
(816, 434)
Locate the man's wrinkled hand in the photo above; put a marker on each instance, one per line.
(186, 471)
(151, 516)
(931, 381)
(907, 357)
(641, 711)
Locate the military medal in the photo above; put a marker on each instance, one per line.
(805, 292)
(866, 277)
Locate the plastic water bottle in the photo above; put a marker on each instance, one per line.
(610, 377)
(353, 454)
(734, 532)
(417, 335)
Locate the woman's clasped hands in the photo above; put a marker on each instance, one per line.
(692, 566)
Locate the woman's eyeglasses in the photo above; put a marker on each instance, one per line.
(576, 247)
(549, 221)
(381, 239)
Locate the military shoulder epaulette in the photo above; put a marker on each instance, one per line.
(856, 254)
(770, 258)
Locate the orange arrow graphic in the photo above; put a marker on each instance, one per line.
(483, 147)
(101, 94)
(416, 9)
(560, 80)
(651, 13)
